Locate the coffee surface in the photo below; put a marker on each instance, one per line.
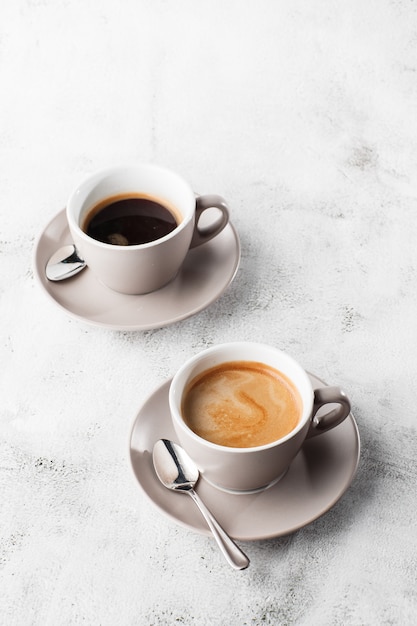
(241, 404)
(129, 220)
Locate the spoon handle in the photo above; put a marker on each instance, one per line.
(233, 554)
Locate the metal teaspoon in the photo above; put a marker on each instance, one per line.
(177, 471)
(64, 263)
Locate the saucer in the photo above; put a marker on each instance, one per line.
(205, 274)
(317, 478)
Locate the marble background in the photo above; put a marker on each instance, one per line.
(303, 115)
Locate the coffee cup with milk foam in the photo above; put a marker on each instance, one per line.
(242, 411)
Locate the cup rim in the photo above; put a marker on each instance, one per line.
(190, 363)
(92, 179)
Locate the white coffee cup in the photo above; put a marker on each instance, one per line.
(252, 468)
(145, 267)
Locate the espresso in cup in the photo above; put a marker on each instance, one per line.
(241, 404)
(130, 219)
(133, 225)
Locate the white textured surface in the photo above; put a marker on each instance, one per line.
(303, 115)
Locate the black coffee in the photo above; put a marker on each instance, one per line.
(129, 220)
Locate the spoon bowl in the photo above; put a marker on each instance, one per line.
(64, 263)
(178, 472)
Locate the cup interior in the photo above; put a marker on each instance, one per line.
(161, 184)
(241, 351)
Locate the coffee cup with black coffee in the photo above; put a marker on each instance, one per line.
(134, 225)
(243, 410)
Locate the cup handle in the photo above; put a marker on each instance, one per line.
(201, 235)
(323, 423)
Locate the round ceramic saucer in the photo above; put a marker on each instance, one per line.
(204, 276)
(317, 478)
